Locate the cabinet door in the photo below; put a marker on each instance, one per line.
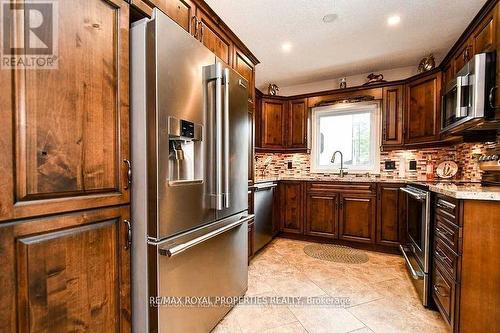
(273, 123)
(390, 215)
(392, 116)
(484, 37)
(357, 218)
(214, 38)
(297, 123)
(66, 130)
(291, 207)
(463, 55)
(181, 11)
(448, 73)
(423, 109)
(66, 273)
(322, 215)
(245, 68)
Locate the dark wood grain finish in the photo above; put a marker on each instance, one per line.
(392, 115)
(244, 66)
(66, 273)
(463, 55)
(214, 38)
(273, 119)
(390, 215)
(357, 218)
(422, 115)
(322, 215)
(291, 206)
(70, 145)
(484, 37)
(181, 11)
(297, 123)
(443, 293)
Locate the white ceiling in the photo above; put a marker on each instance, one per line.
(358, 41)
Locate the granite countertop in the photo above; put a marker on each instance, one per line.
(466, 191)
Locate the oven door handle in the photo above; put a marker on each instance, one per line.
(416, 195)
(415, 274)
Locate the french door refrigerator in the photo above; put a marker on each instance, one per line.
(189, 135)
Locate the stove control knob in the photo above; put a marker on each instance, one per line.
(494, 157)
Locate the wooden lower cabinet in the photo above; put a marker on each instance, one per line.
(322, 215)
(390, 215)
(357, 218)
(291, 204)
(66, 273)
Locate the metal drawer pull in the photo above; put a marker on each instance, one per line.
(445, 204)
(177, 249)
(443, 232)
(436, 289)
(441, 256)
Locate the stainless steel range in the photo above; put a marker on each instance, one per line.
(189, 197)
(417, 250)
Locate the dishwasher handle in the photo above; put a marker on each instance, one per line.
(177, 249)
(264, 187)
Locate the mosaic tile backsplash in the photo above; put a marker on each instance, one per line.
(271, 165)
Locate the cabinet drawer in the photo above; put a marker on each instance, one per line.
(343, 187)
(447, 207)
(447, 259)
(443, 293)
(448, 232)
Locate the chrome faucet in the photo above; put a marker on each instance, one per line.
(341, 170)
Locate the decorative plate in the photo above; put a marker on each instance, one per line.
(447, 169)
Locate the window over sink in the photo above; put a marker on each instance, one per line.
(353, 129)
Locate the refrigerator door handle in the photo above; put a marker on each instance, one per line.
(218, 137)
(177, 249)
(227, 202)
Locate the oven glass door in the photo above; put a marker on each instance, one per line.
(416, 228)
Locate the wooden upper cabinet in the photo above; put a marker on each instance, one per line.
(422, 114)
(463, 55)
(70, 126)
(291, 206)
(322, 215)
(297, 123)
(181, 11)
(448, 73)
(357, 218)
(273, 118)
(392, 116)
(213, 37)
(390, 215)
(66, 273)
(484, 37)
(245, 68)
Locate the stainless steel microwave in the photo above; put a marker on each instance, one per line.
(469, 99)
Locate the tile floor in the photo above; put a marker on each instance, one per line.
(382, 298)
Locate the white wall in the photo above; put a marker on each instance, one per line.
(354, 80)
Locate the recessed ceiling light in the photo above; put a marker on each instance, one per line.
(286, 47)
(393, 20)
(329, 18)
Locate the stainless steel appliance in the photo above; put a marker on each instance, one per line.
(417, 251)
(189, 195)
(263, 201)
(468, 101)
(489, 163)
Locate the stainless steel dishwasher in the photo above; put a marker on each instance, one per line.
(263, 198)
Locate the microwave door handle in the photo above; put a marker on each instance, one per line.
(227, 202)
(458, 110)
(218, 137)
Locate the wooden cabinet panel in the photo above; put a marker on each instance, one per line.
(392, 116)
(297, 123)
(443, 293)
(70, 125)
(423, 109)
(357, 218)
(291, 204)
(214, 38)
(463, 55)
(322, 215)
(484, 37)
(181, 11)
(390, 217)
(273, 123)
(66, 273)
(245, 68)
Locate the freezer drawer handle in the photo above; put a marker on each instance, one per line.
(177, 249)
(417, 275)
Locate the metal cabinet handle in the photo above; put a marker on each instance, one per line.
(128, 241)
(445, 204)
(202, 31)
(441, 256)
(194, 20)
(436, 289)
(129, 174)
(491, 97)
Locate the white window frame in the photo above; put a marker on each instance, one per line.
(347, 108)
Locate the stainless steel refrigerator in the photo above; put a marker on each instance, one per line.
(189, 191)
